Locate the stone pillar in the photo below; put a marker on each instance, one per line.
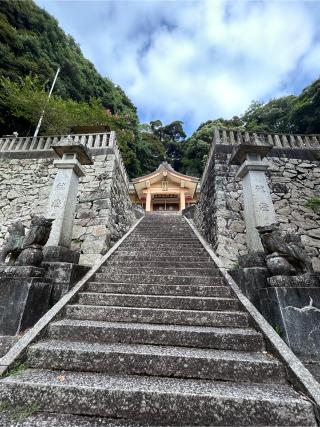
(182, 200)
(63, 198)
(148, 202)
(258, 205)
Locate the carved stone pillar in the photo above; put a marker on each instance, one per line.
(63, 197)
(258, 205)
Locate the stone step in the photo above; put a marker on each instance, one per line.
(159, 301)
(156, 360)
(163, 238)
(140, 257)
(156, 254)
(43, 419)
(144, 333)
(162, 246)
(156, 400)
(180, 234)
(112, 277)
(183, 236)
(135, 262)
(181, 230)
(234, 319)
(150, 289)
(169, 270)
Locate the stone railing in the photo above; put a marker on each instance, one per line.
(42, 143)
(113, 144)
(234, 137)
(29, 143)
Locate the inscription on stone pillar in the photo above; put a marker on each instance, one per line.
(258, 205)
(63, 197)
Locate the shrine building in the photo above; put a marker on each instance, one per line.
(164, 190)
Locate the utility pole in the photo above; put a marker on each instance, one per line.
(42, 114)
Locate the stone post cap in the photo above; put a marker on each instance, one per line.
(255, 147)
(69, 146)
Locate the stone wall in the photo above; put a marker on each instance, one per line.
(104, 211)
(293, 176)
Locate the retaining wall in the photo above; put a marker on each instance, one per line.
(293, 177)
(104, 210)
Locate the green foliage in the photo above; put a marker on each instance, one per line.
(273, 116)
(151, 152)
(32, 46)
(278, 330)
(17, 414)
(288, 114)
(20, 414)
(26, 99)
(17, 369)
(34, 42)
(314, 204)
(160, 142)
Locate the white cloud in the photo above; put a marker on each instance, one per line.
(195, 59)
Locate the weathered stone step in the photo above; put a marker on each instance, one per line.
(156, 254)
(139, 257)
(113, 277)
(156, 360)
(143, 333)
(135, 262)
(151, 289)
(159, 234)
(169, 270)
(162, 246)
(43, 419)
(234, 319)
(198, 249)
(180, 237)
(168, 401)
(159, 301)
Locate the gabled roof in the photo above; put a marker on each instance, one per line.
(165, 166)
(164, 172)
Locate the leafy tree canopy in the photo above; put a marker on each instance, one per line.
(32, 46)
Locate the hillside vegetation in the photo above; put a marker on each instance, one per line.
(32, 46)
(289, 114)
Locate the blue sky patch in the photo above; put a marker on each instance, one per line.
(197, 60)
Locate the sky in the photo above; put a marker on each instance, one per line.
(195, 60)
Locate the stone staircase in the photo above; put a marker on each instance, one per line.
(156, 338)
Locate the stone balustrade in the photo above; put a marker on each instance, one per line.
(29, 143)
(293, 177)
(43, 143)
(230, 137)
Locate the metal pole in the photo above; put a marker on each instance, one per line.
(42, 114)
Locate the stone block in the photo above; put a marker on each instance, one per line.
(251, 281)
(301, 281)
(6, 342)
(316, 264)
(63, 276)
(20, 271)
(309, 241)
(61, 254)
(22, 302)
(295, 312)
(89, 259)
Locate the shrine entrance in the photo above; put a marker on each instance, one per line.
(164, 190)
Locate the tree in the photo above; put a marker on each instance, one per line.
(31, 41)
